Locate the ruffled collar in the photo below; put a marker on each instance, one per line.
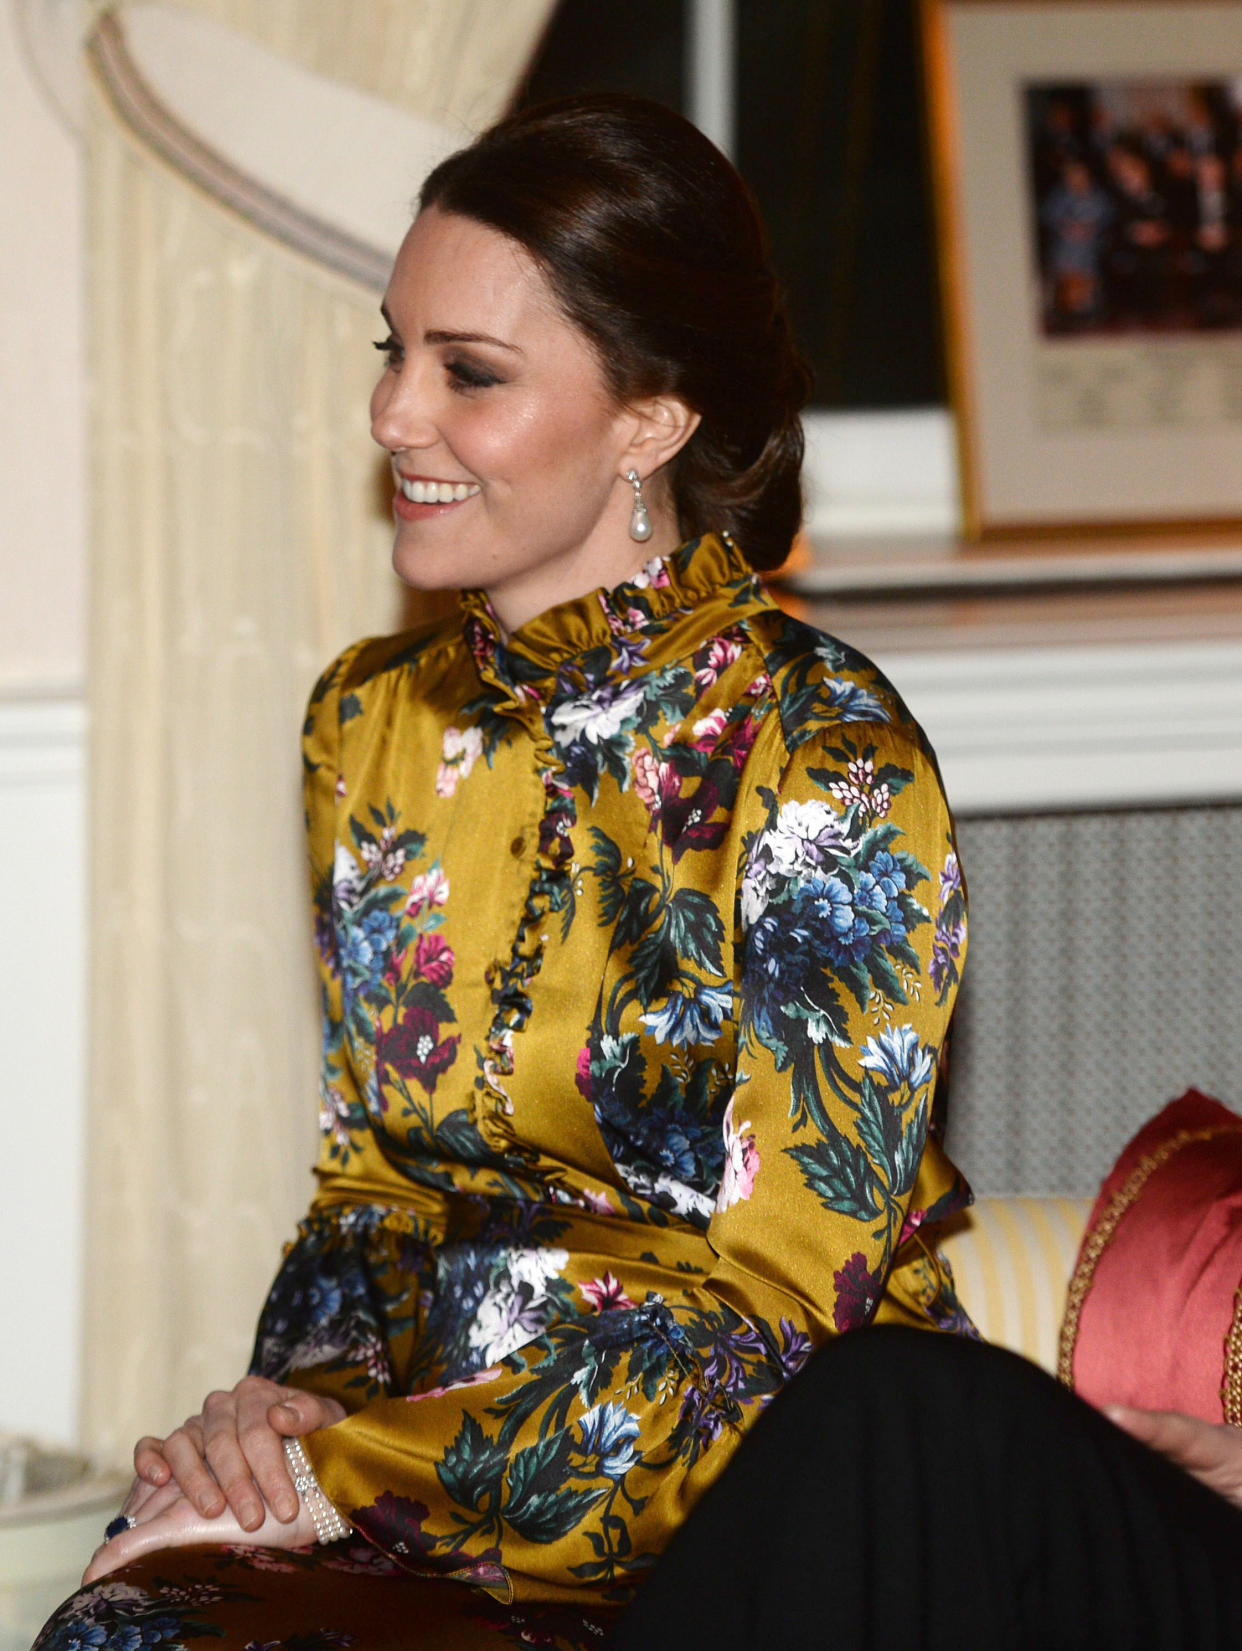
(626, 630)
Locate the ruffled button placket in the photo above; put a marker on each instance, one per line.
(520, 691)
(522, 674)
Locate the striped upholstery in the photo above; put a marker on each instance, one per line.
(1012, 1259)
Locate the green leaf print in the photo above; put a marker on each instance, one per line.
(841, 1176)
(539, 1507)
(472, 1468)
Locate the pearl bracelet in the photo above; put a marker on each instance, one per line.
(329, 1526)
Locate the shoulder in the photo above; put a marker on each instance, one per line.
(821, 686)
(367, 666)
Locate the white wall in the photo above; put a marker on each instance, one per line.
(42, 422)
(42, 607)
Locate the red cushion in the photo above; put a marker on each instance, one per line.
(1154, 1316)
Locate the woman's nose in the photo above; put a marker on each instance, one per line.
(400, 411)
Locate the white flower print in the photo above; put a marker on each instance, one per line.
(517, 1307)
(346, 879)
(598, 715)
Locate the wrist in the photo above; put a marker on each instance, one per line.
(329, 1526)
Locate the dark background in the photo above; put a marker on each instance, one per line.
(830, 136)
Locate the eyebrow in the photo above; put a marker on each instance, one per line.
(440, 335)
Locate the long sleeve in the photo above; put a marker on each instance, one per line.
(854, 932)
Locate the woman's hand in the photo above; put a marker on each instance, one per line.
(232, 1456)
(169, 1519)
(1211, 1451)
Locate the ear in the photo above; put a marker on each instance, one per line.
(662, 425)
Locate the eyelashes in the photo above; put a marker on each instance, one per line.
(390, 349)
(464, 374)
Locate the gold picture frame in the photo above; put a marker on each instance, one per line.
(1097, 390)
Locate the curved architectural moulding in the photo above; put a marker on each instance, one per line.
(318, 165)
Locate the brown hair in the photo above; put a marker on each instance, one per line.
(654, 248)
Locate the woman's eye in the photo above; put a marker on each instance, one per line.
(469, 375)
(391, 349)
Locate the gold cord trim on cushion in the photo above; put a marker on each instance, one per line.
(1101, 1235)
(1231, 1385)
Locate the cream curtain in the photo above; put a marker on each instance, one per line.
(239, 538)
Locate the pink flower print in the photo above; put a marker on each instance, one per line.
(648, 773)
(707, 730)
(598, 1202)
(429, 889)
(741, 1162)
(488, 1375)
(721, 652)
(255, 1559)
(433, 960)
(361, 1559)
(340, 786)
(459, 748)
(605, 1293)
(761, 685)
(480, 640)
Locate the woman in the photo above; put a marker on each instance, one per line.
(639, 924)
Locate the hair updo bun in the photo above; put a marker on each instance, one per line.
(653, 247)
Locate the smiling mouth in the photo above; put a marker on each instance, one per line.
(429, 492)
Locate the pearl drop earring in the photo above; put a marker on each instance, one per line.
(640, 522)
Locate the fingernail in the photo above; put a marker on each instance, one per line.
(286, 1508)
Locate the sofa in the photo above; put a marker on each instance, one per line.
(1012, 1261)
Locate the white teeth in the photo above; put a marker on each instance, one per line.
(437, 492)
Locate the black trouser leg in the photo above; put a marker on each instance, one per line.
(915, 1490)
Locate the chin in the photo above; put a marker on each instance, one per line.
(423, 572)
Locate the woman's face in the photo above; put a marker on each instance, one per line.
(508, 452)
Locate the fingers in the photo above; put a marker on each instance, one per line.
(1184, 1438)
(183, 1451)
(247, 1454)
(178, 1523)
(301, 1413)
(149, 1463)
(232, 1456)
(153, 1502)
(1211, 1451)
(141, 1493)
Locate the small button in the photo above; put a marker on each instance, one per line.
(517, 847)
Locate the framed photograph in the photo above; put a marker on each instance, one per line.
(1087, 162)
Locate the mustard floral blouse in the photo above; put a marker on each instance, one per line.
(638, 932)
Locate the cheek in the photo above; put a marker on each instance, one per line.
(505, 443)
